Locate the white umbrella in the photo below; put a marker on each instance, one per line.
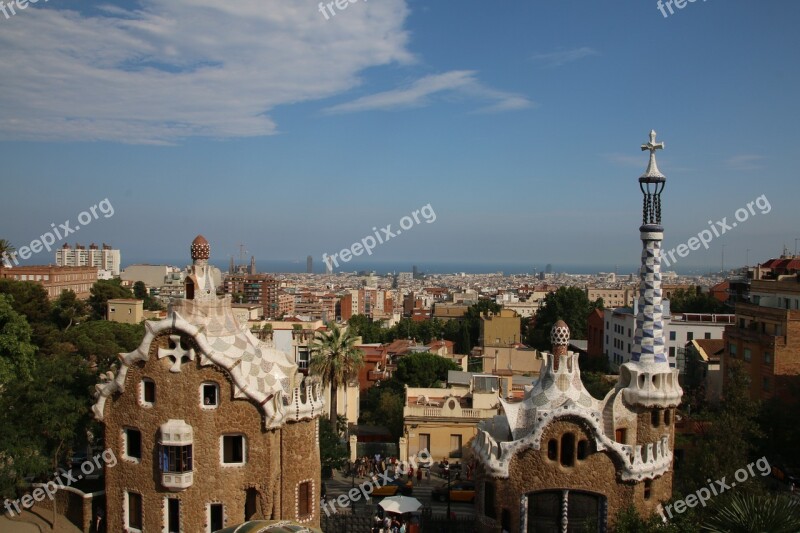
(400, 504)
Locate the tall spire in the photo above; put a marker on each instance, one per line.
(647, 379)
(649, 337)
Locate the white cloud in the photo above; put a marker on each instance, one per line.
(562, 57)
(462, 83)
(183, 68)
(745, 162)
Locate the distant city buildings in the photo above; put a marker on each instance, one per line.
(55, 279)
(309, 265)
(105, 259)
(679, 329)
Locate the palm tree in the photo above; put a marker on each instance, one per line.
(335, 358)
(746, 513)
(6, 249)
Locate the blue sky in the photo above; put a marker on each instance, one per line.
(261, 122)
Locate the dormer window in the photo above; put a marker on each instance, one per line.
(209, 395)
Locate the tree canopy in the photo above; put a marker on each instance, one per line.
(569, 304)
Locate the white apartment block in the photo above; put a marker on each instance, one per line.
(105, 259)
(679, 329)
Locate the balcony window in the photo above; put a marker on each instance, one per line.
(176, 459)
(767, 358)
(747, 354)
(732, 349)
(175, 455)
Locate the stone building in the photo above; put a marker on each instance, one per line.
(561, 460)
(211, 426)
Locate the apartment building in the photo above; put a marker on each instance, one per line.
(102, 258)
(765, 337)
(55, 279)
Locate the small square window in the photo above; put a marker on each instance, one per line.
(672, 335)
(233, 450)
(747, 354)
(209, 395)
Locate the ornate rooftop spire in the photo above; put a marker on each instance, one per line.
(652, 184)
(200, 248)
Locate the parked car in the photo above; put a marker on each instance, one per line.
(393, 487)
(460, 491)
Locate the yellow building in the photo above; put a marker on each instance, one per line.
(500, 329)
(125, 310)
(444, 420)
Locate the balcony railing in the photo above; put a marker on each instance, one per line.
(749, 335)
(439, 412)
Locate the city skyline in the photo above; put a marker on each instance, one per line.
(525, 141)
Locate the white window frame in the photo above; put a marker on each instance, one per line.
(142, 401)
(125, 455)
(203, 405)
(208, 515)
(126, 518)
(166, 513)
(222, 450)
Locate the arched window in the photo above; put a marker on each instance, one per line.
(567, 449)
(552, 449)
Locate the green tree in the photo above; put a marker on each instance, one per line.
(423, 369)
(364, 327)
(6, 251)
(140, 293)
(746, 513)
(100, 341)
(332, 452)
(69, 309)
(569, 304)
(16, 350)
(383, 406)
(43, 419)
(103, 291)
(694, 301)
(729, 435)
(335, 358)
